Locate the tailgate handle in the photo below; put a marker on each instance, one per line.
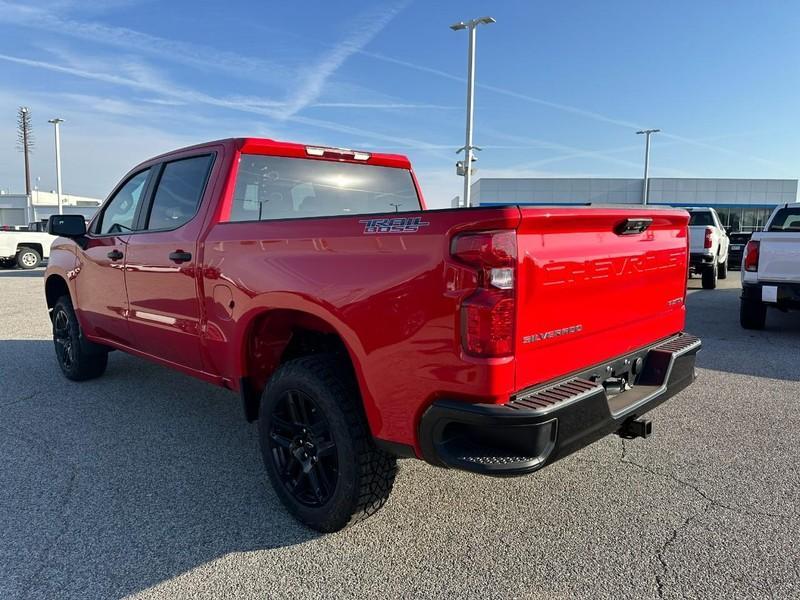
(633, 226)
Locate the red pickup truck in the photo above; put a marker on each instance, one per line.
(359, 327)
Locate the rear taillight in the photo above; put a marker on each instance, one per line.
(751, 252)
(709, 241)
(487, 315)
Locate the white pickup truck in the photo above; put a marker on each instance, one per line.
(708, 246)
(25, 249)
(771, 268)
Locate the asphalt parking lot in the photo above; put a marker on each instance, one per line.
(148, 484)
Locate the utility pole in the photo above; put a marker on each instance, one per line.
(32, 216)
(25, 139)
(56, 125)
(646, 182)
(468, 148)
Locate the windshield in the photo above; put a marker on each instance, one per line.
(271, 187)
(786, 219)
(701, 218)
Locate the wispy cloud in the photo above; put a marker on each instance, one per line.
(312, 80)
(361, 32)
(175, 51)
(385, 105)
(568, 152)
(141, 78)
(276, 104)
(567, 108)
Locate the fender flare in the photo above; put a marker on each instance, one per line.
(312, 306)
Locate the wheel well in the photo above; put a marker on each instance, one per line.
(37, 247)
(276, 337)
(54, 288)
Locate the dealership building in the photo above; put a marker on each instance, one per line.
(742, 204)
(20, 209)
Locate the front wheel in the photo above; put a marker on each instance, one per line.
(317, 447)
(723, 269)
(78, 359)
(28, 258)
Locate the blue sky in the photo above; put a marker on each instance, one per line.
(562, 85)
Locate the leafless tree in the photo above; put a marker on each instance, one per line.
(25, 142)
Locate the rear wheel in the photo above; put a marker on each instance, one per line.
(28, 258)
(710, 276)
(78, 359)
(317, 447)
(752, 314)
(723, 269)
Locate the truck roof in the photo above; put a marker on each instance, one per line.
(254, 145)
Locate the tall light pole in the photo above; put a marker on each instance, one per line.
(646, 183)
(56, 125)
(468, 148)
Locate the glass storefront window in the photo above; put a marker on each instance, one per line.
(735, 219)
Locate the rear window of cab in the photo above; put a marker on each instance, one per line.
(786, 219)
(273, 187)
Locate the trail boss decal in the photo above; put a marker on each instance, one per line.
(394, 225)
(546, 335)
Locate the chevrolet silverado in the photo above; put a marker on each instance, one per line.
(25, 249)
(358, 327)
(708, 246)
(771, 268)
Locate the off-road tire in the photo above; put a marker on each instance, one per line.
(364, 475)
(28, 258)
(723, 270)
(79, 359)
(709, 275)
(752, 314)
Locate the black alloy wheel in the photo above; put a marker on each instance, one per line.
(317, 447)
(78, 358)
(303, 449)
(62, 337)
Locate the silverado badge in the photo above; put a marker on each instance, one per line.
(546, 335)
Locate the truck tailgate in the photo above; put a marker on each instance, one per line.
(697, 239)
(588, 293)
(779, 257)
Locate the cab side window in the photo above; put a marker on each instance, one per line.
(178, 193)
(120, 212)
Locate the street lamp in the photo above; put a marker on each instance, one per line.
(468, 147)
(646, 186)
(56, 125)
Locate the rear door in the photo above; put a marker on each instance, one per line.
(100, 282)
(589, 293)
(722, 235)
(161, 259)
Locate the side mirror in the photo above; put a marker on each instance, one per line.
(70, 226)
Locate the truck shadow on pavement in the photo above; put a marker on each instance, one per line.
(713, 315)
(111, 486)
(11, 273)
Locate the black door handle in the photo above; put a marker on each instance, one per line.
(179, 256)
(115, 254)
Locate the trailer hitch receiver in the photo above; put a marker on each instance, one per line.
(633, 428)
